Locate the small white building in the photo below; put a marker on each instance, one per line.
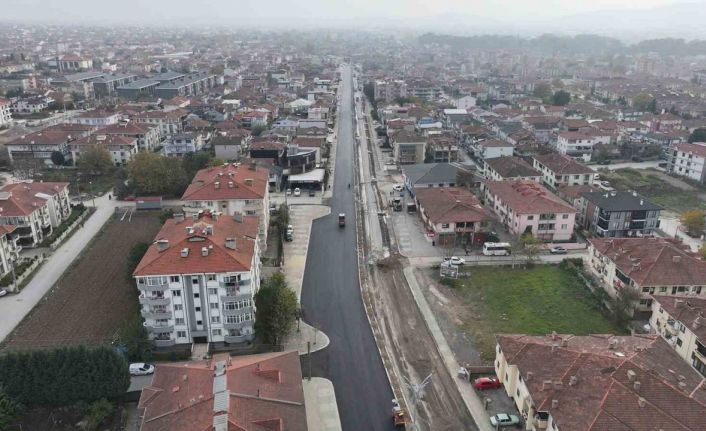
(688, 160)
(183, 143)
(5, 113)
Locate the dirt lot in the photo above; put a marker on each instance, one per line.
(95, 296)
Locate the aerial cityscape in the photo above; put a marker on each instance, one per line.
(352, 216)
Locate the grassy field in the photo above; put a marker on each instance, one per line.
(528, 301)
(654, 188)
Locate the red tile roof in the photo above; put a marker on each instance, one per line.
(603, 397)
(105, 140)
(248, 182)
(689, 311)
(46, 137)
(562, 165)
(653, 261)
(208, 231)
(22, 200)
(528, 197)
(264, 394)
(450, 205)
(697, 148)
(130, 128)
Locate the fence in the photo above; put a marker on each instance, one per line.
(69, 230)
(29, 270)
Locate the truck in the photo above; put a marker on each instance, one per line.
(341, 220)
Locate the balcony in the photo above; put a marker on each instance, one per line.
(158, 327)
(161, 287)
(153, 300)
(236, 312)
(241, 325)
(157, 314)
(237, 338)
(164, 342)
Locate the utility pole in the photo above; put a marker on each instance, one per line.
(308, 356)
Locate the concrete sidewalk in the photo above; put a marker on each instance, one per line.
(15, 307)
(321, 407)
(470, 398)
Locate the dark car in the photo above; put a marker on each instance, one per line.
(312, 192)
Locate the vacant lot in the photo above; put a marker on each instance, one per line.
(655, 189)
(496, 300)
(94, 297)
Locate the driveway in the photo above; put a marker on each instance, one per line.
(14, 307)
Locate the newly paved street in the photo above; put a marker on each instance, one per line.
(331, 299)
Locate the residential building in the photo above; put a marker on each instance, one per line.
(491, 148)
(389, 90)
(528, 207)
(442, 149)
(651, 266)
(183, 143)
(232, 188)
(253, 392)
(559, 169)
(172, 84)
(40, 145)
(680, 321)
(433, 175)
(579, 145)
(9, 250)
(453, 215)
(272, 151)
(169, 123)
(197, 281)
(35, 209)
(408, 147)
(599, 383)
(30, 105)
(97, 118)
(73, 62)
(465, 102)
(688, 160)
(121, 148)
(5, 114)
(147, 136)
(107, 85)
(137, 88)
(618, 214)
(509, 168)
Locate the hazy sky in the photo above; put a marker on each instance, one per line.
(202, 10)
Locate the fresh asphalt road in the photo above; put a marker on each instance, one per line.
(332, 302)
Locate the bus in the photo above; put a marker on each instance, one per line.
(496, 248)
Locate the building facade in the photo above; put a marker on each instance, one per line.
(618, 214)
(680, 321)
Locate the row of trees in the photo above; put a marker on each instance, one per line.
(63, 376)
(544, 91)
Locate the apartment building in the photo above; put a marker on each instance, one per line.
(688, 160)
(121, 148)
(389, 90)
(579, 145)
(652, 266)
(563, 382)
(527, 207)
(408, 147)
(97, 118)
(491, 148)
(73, 62)
(559, 169)
(147, 136)
(9, 250)
(169, 122)
(442, 149)
(107, 85)
(453, 214)
(232, 188)
(509, 168)
(183, 143)
(198, 279)
(617, 214)
(40, 145)
(5, 114)
(680, 321)
(34, 209)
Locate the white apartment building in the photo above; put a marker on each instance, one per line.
(579, 145)
(197, 281)
(147, 136)
(121, 148)
(558, 169)
(169, 123)
(652, 266)
(97, 118)
(35, 209)
(688, 160)
(183, 143)
(680, 321)
(5, 113)
(9, 250)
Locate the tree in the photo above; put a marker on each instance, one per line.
(561, 98)
(154, 174)
(693, 221)
(542, 91)
(9, 409)
(257, 130)
(623, 304)
(698, 135)
(96, 160)
(277, 307)
(528, 246)
(98, 412)
(702, 251)
(642, 102)
(57, 157)
(136, 253)
(193, 162)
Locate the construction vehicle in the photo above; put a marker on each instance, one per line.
(399, 416)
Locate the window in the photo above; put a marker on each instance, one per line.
(679, 342)
(174, 279)
(215, 319)
(176, 292)
(518, 392)
(211, 277)
(199, 322)
(179, 321)
(662, 289)
(181, 334)
(214, 306)
(178, 307)
(212, 291)
(216, 332)
(197, 295)
(565, 216)
(444, 225)
(530, 217)
(197, 309)
(564, 226)
(661, 310)
(682, 328)
(194, 280)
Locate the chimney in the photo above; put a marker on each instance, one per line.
(529, 375)
(204, 251)
(217, 185)
(558, 384)
(162, 244)
(546, 384)
(554, 335)
(230, 243)
(679, 303)
(573, 381)
(676, 259)
(612, 343)
(636, 385)
(249, 181)
(231, 184)
(565, 342)
(682, 385)
(253, 166)
(179, 217)
(184, 252)
(555, 404)
(642, 202)
(641, 402)
(631, 376)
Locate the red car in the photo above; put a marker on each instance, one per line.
(486, 383)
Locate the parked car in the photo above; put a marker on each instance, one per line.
(3, 292)
(141, 369)
(312, 192)
(398, 187)
(297, 192)
(290, 229)
(289, 236)
(455, 260)
(289, 192)
(557, 250)
(504, 420)
(486, 383)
